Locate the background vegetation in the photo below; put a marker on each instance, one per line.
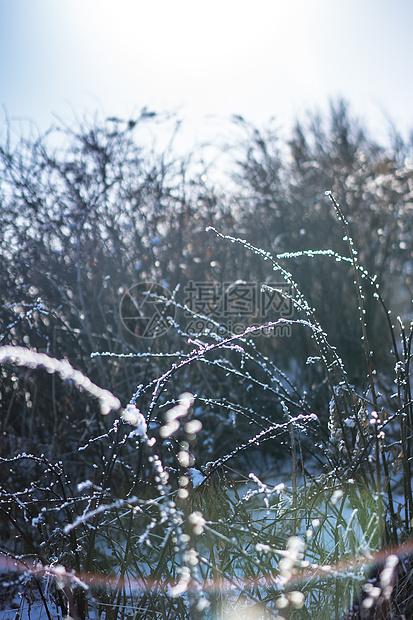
(89, 210)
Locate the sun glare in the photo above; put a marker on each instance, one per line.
(190, 53)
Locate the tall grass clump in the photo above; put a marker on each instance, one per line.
(134, 522)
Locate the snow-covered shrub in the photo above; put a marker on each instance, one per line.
(229, 474)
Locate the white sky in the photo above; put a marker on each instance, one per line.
(221, 57)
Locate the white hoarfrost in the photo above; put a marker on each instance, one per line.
(31, 359)
(132, 415)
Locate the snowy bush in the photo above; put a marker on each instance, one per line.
(207, 473)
